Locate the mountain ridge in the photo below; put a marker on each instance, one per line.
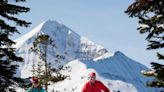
(69, 44)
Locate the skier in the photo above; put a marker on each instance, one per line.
(36, 86)
(94, 85)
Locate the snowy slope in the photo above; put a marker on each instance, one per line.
(79, 76)
(116, 71)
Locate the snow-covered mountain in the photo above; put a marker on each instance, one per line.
(115, 70)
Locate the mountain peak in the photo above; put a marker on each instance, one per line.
(51, 22)
(69, 44)
(49, 27)
(119, 53)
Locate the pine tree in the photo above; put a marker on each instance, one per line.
(151, 19)
(40, 47)
(42, 42)
(8, 12)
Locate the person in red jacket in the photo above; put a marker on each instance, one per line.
(94, 85)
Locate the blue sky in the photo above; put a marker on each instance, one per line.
(102, 21)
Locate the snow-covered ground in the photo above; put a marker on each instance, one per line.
(117, 71)
(79, 76)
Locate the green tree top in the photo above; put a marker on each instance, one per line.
(8, 12)
(151, 19)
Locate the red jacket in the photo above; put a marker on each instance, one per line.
(97, 87)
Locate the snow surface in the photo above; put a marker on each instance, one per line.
(78, 77)
(115, 70)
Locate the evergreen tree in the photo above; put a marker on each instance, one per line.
(40, 46)
(8, 12)
(151, 19)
